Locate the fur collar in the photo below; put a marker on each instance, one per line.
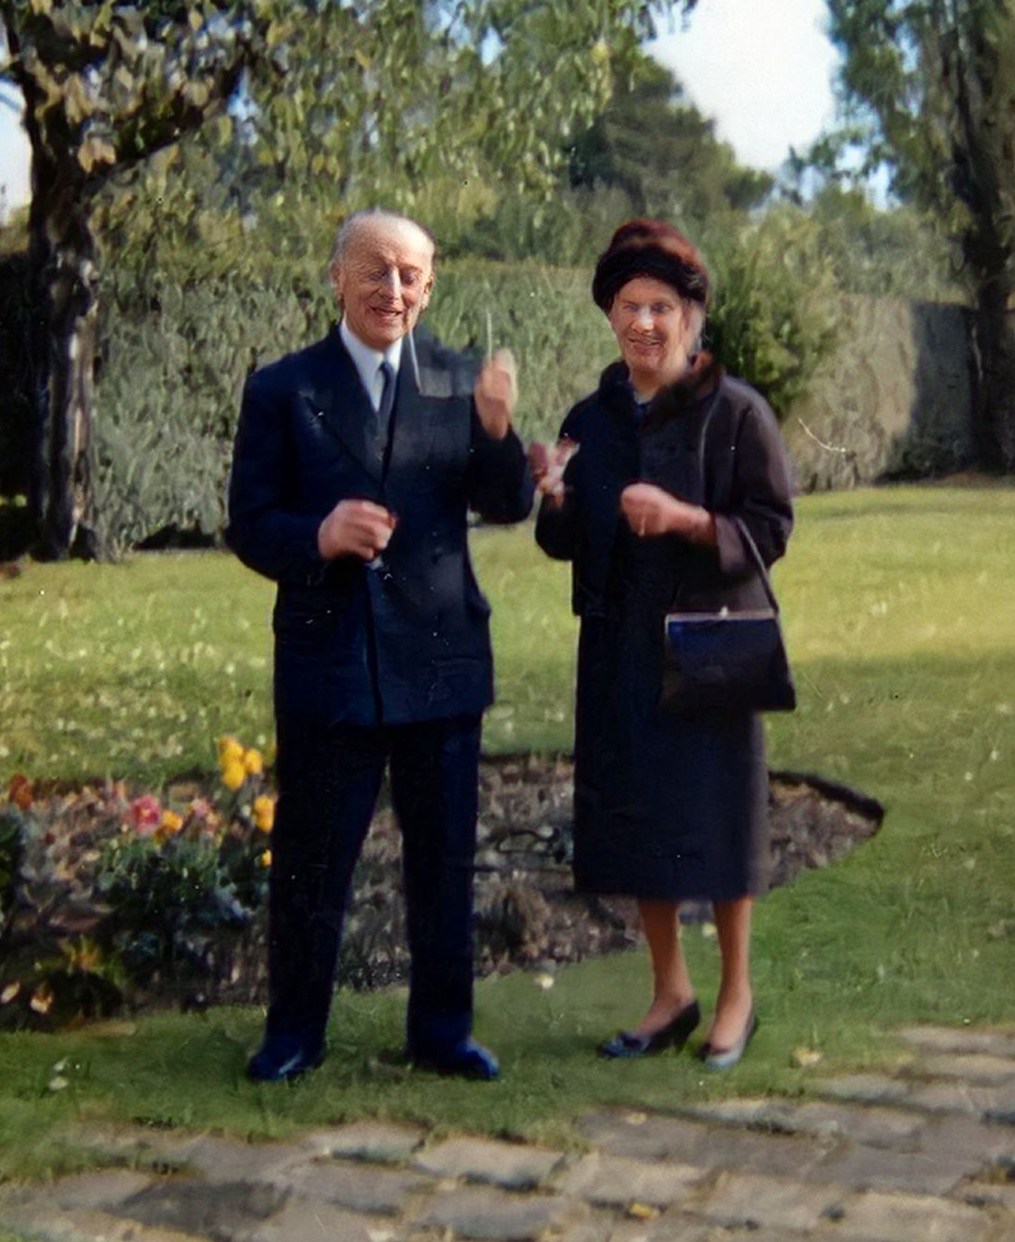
(699, 381)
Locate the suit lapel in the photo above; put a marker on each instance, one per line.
(346, 408)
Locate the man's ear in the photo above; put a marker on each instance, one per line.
(424, 300)
(337, 283)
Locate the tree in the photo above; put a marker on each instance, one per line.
(105, 86)
(664, 153)
(931, 86)
(106, 83)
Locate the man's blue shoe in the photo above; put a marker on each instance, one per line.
(283, 1057)
(467, 1059)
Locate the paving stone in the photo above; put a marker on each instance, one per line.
(744, 1111)
(124, 1145)
(217, 1209)
(870, 1168)
(89, 1225)
(937, 1095)
(912, 1218)
(229, 1160)
(594, 1228)
(367, 1140)
(99, 1190)
(959, 1039)
(679, 1227)
(977, 1192)
(669, 1228)
(951, 1096)
(867, 1088)
(979, 1068)
(703, 1144)
(617, 1181)
(511, 1165)
(674, 1228)
(493, 1215)
(751, 1201)
(864, 1123)
(304, 1220)
(353, 1185)
(972, 1143)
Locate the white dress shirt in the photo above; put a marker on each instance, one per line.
(368, 361)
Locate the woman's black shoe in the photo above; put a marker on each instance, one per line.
(723, 1058)
(673, 1035)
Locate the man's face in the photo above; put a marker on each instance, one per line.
(383, 280)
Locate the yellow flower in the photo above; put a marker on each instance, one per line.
(265, 859)
(253, 761)
(233, 774)
(42, 998)
(230, 751)
(171, 822)
(264, 812)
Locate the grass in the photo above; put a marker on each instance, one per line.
(898, 608)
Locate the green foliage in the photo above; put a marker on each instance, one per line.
(168, 906)
(386, 84)
(775, 313)
(12, 851)
(174, 357)
(894, 252)
(663, 153)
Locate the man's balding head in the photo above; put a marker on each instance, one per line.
(378, 218)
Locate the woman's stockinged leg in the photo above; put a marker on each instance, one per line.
(672, 989)
(735, 999)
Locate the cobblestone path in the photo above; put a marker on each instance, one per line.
(926, 1155)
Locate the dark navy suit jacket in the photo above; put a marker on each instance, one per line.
(408, 639)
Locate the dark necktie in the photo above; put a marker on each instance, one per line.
(384, 408)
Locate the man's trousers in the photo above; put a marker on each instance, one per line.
(328, 782)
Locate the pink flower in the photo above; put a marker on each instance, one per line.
(145, 814)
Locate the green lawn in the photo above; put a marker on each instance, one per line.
(899, 608)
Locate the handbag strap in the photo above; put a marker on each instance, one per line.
(741, 525)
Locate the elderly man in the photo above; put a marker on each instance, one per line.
(356, 461)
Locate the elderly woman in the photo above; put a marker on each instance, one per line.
(644, 493)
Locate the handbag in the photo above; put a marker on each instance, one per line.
(727, 661)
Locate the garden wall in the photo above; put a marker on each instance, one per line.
(894, 399)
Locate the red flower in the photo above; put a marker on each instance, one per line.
(19, 791)
(145, 814)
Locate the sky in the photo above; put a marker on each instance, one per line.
(761, 68)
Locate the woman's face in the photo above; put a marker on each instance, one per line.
(650, 323)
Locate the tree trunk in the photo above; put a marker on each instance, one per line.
(995, 343)
(63, 338)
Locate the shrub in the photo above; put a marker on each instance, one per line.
(776, 309)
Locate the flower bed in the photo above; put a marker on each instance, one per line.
(112, 897)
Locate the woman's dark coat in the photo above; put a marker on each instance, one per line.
(665, 808)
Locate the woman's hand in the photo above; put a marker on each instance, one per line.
(547, 463)
(650, 512)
